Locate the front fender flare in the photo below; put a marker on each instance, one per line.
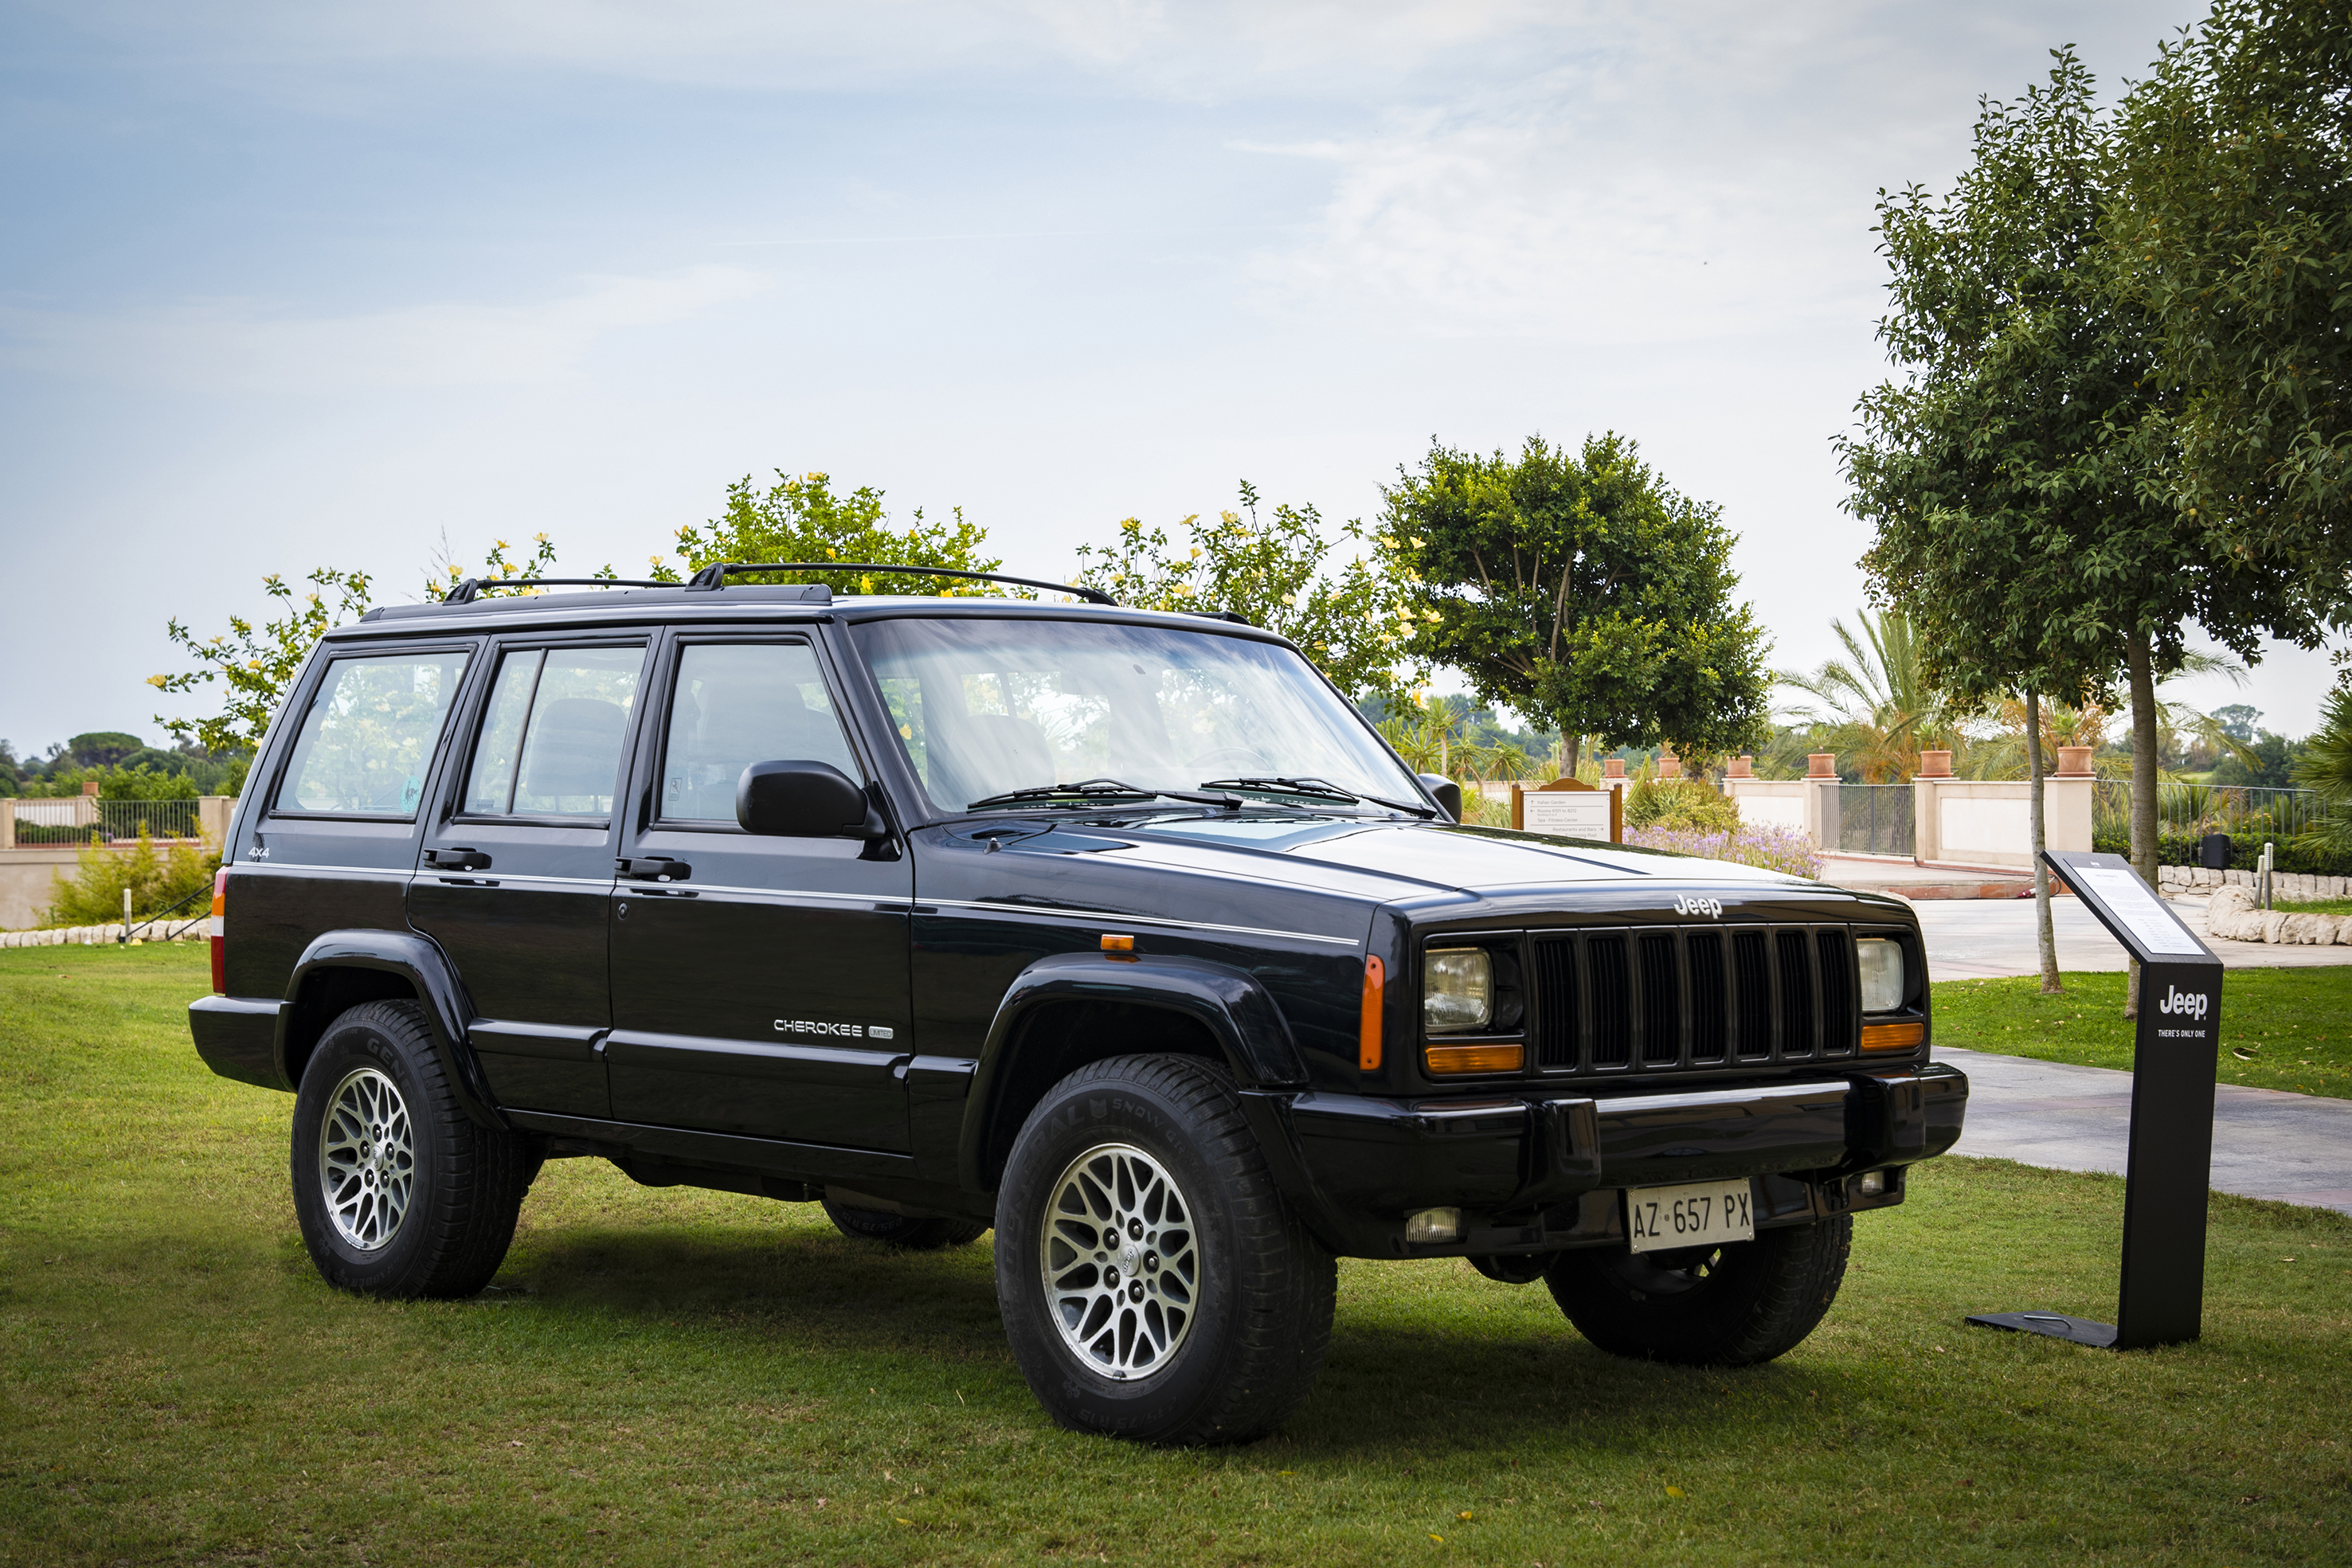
(420, 961)
(1248, 1027)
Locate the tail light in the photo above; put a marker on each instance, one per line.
(220, 948)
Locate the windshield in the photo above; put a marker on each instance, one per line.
(985, 707)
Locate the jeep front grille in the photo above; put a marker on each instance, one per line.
(1674, 999)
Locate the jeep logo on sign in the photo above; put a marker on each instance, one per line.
(1710, 907)
(2182, 1005)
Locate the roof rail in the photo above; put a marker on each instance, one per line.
(468, 590)
(713, 576)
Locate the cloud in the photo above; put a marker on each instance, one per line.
(238, 346)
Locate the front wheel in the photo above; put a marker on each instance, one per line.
(1732, 1305)
(1154, 1283)
(397, 1193)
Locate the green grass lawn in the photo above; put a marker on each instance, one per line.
(670, 1375)
(2294, 1024)
(2314, 905)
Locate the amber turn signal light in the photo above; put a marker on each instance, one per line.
(1891, 1036)
(1112, 944)
(1368, 1028)
(1450, 1058)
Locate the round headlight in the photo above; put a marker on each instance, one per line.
(1883, 987)
(1457, 989)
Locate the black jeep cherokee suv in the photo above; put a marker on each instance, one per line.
(1120, 931)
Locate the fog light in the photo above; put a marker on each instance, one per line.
(1433, 1226)
(1873, 1184)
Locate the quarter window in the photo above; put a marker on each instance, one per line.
(739, 703)
(553, 732)
(370, 735)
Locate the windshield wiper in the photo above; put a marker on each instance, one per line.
(1319, 788)
(1100, 789)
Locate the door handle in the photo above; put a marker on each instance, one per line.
(456, 860)
(653, 868)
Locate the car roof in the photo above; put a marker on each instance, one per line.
(784, 602)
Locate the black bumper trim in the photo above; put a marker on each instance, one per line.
(1356, 1165)
(237, 1038)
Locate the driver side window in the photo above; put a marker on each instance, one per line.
(735, 704)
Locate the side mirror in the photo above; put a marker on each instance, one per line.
(791, 800)
(1448, 793)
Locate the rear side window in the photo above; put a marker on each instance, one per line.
(553, 734)
(369, 737)
(737, 704)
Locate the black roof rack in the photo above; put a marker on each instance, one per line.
(714, 577)
(468, 590)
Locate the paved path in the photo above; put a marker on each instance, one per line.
(1970, 939)
(2297, 1148)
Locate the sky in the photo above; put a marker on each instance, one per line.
(298, 285)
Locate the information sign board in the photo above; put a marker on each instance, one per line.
(1570, 808)
(2169, 1168)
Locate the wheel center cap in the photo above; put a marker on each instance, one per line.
(1129, 1256)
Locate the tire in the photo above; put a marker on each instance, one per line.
(397, 1192)
(926, 1234)
(1697, 1306)
(1217, 1341)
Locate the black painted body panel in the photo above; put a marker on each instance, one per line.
(800, 1012)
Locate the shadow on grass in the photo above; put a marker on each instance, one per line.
(1508, 1372)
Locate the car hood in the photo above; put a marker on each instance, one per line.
(1354, 854)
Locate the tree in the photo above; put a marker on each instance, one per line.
(2232, 231)
(799, 517)
(2007, 473)
(254, 664)
(2325, 766)
(1272, 571)
(1580, 590)
(1883, 710)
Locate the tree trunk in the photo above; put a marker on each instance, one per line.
(1571, 754)
(2139, 663)
(2045, 938)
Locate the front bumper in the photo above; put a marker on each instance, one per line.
(1535, 1172)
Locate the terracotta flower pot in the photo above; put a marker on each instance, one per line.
(1935, 765)
(1742, 767)
(1821, 764)
(2073, 762)
(1670, 766)
(1613, 768)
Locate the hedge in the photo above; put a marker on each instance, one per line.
(2245, 854)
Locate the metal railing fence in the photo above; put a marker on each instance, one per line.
(1877, 820)
(82, 818)
(2196, 810)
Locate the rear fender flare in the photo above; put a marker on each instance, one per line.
(1249, 1031)
(421, 962)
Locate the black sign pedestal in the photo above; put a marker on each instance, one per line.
(2169, 1168)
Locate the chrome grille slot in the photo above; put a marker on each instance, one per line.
(1751, 965)
(1703, 956)
(1662, 998)
(1556, 1003)
(1838, 1024)
(1797, 1020)
(1611, 978)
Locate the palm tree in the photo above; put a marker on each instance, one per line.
(1878, 706)
(2327, 766)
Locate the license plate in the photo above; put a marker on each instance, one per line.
(1695, 1214)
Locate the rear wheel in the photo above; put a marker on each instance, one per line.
(1732, 1305)
(396, 1191)
(1154, 1283)
(928, 1233)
